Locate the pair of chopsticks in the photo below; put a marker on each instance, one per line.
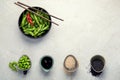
(22, 5)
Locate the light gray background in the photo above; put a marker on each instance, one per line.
(91, 27)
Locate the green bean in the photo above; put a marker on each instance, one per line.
(40, 33)
(37, 30)
(45, 28)
(23, 20)
(29, 25)
(13, 66)
(36, 19)
(40, 20)
(31, 14)
(30, 29)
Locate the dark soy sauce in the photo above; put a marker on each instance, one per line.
(98, 65)
(47, 62)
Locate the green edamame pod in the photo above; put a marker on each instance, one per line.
(45, 28)
(23, 20)
(36, 19)
(13, 66)
(40, 33)
(38, 30)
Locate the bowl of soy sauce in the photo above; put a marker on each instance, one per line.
(97, 65)
(46, 63)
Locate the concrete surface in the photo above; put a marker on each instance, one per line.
(91, 27)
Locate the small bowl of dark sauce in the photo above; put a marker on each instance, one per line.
(97, 65)
(46, 63)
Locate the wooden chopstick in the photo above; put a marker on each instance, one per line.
(39, 10)
(36, 14)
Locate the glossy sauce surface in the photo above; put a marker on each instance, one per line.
(47, 62)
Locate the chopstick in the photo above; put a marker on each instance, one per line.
(36, 13)
(39, 10)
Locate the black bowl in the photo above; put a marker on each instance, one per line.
(46, 63)
(20, 20)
